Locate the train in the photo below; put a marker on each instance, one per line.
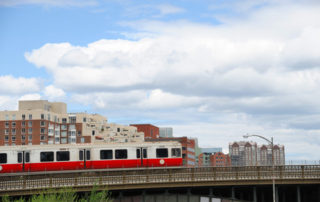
(33, 158)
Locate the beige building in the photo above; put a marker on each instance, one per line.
(43, 122)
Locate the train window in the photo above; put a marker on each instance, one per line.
(144, 151)
(138, 153)
(3, 158)
(176, 152)
(88, 154)
(19, 157)
(27, 157)
(81, 155)
(46, 156)
(63, 155)
(106, 154)
(121, 153)
(162, 152)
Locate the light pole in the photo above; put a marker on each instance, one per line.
(271, 143)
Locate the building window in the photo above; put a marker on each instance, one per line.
(93, 133)
(13, 124)
(46, 156)
(79, 133)
(42, 130)
(23, 124)
(64, 134)
(42, 137)
(7, 124)
(13, 138)
(29, 130)
(6, 131)
(6, 138)
(63, 155)
(84, 119)
(23, 117)
(42, 123)
(64, 120)
(57, 140)
(63, 140)
(23, 138)
(72, 119)
(63, 127)
(29, 123)
(49, 117)
(13, 117)
(13, 131)
(162, 153)
(118, 130)
(29, 137)
(42, 116)
(23, 130)
(7, 117)
(30, 116)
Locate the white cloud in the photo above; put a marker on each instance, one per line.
(13, 86)
(252, 74)
(53, 93)
(33, 96)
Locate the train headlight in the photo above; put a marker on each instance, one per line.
(0, 168)
(161, 161)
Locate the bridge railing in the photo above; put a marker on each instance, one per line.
(156, 177)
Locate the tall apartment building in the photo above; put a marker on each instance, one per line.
(243, 153)
(250, 154)
(42, 122)
(150, 131)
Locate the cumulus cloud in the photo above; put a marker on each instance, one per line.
(254, 73)
(13, 86)
(53, 93)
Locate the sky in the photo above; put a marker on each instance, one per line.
(210, 69)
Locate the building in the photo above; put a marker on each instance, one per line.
(213, 157)
(42, 122)
(243, 153)
(166, 132)
(188, 148)
(265, 155)
(150, 131)
(220, 159)
(250, 154)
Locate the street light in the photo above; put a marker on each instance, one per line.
(270, 142)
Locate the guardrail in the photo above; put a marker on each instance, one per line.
(84, 180)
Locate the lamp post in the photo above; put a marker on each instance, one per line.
(271, 143)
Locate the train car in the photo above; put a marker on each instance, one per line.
(31, 158)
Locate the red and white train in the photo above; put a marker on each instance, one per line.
(33, 158)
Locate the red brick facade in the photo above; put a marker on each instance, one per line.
(150, 131)
(220, 159)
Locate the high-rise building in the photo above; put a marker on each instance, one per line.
(166, 132)
(250, 154)
(42, 122)
(243, 153)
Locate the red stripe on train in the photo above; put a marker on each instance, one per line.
(100, 164)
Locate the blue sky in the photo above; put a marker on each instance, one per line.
(214, 70)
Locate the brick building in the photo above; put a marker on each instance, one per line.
(150, 131)
(42, 122)
(220, 159)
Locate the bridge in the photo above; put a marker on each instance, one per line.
(249, 177)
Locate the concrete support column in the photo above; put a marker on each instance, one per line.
(120, 196)
(298, 194)
(277, 194)
(189, 194)
(144, 196)
(255, 199)
(210, 194)
(233, 193)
